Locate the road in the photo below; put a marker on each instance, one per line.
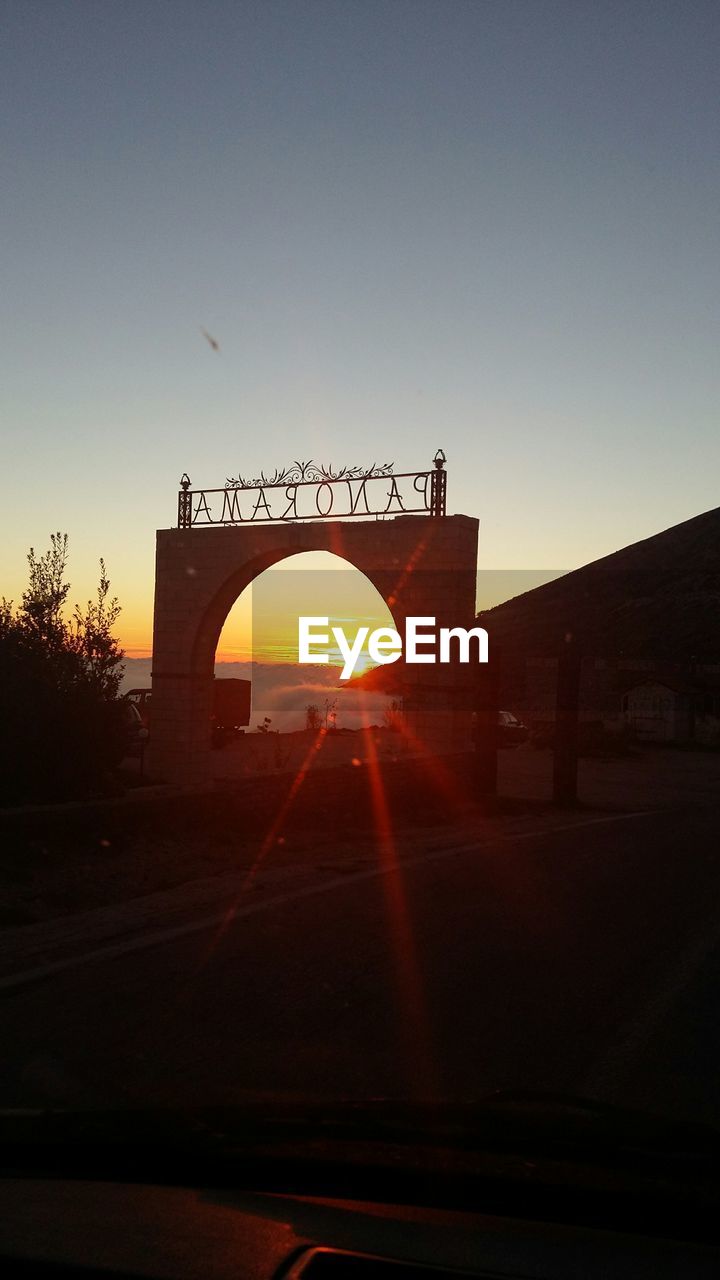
(585, 960)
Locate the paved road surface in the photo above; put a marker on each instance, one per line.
(586, 960)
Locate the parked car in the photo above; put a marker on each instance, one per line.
(135, 731)
(140, 698)
(511, 731)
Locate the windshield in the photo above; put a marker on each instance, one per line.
(360, 647)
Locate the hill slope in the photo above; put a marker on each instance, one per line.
(658, 598)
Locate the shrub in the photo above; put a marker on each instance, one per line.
(60, 724)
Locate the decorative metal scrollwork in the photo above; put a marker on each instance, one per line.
(311, 472)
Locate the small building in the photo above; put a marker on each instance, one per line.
(669, 710)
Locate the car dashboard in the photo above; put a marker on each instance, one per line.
(55, 1228)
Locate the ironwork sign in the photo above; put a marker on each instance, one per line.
(311, 491)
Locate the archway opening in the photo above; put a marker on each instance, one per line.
(289, 702)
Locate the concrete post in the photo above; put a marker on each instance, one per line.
(565, 764)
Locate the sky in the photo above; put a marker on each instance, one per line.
(485, 225)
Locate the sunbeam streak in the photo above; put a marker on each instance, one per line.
(410, 990)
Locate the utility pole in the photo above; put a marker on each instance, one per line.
(567, 704)
(486, 708)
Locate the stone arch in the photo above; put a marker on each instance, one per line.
(419, 565)
(216, 613)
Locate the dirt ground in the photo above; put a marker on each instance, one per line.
(647, 778)
(77, 858)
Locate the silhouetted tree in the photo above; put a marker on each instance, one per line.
(93, 640)
(60, 724)
(42, 603)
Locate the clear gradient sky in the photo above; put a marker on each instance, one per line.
(490, 225)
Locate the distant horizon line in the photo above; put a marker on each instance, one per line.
(265, 659)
